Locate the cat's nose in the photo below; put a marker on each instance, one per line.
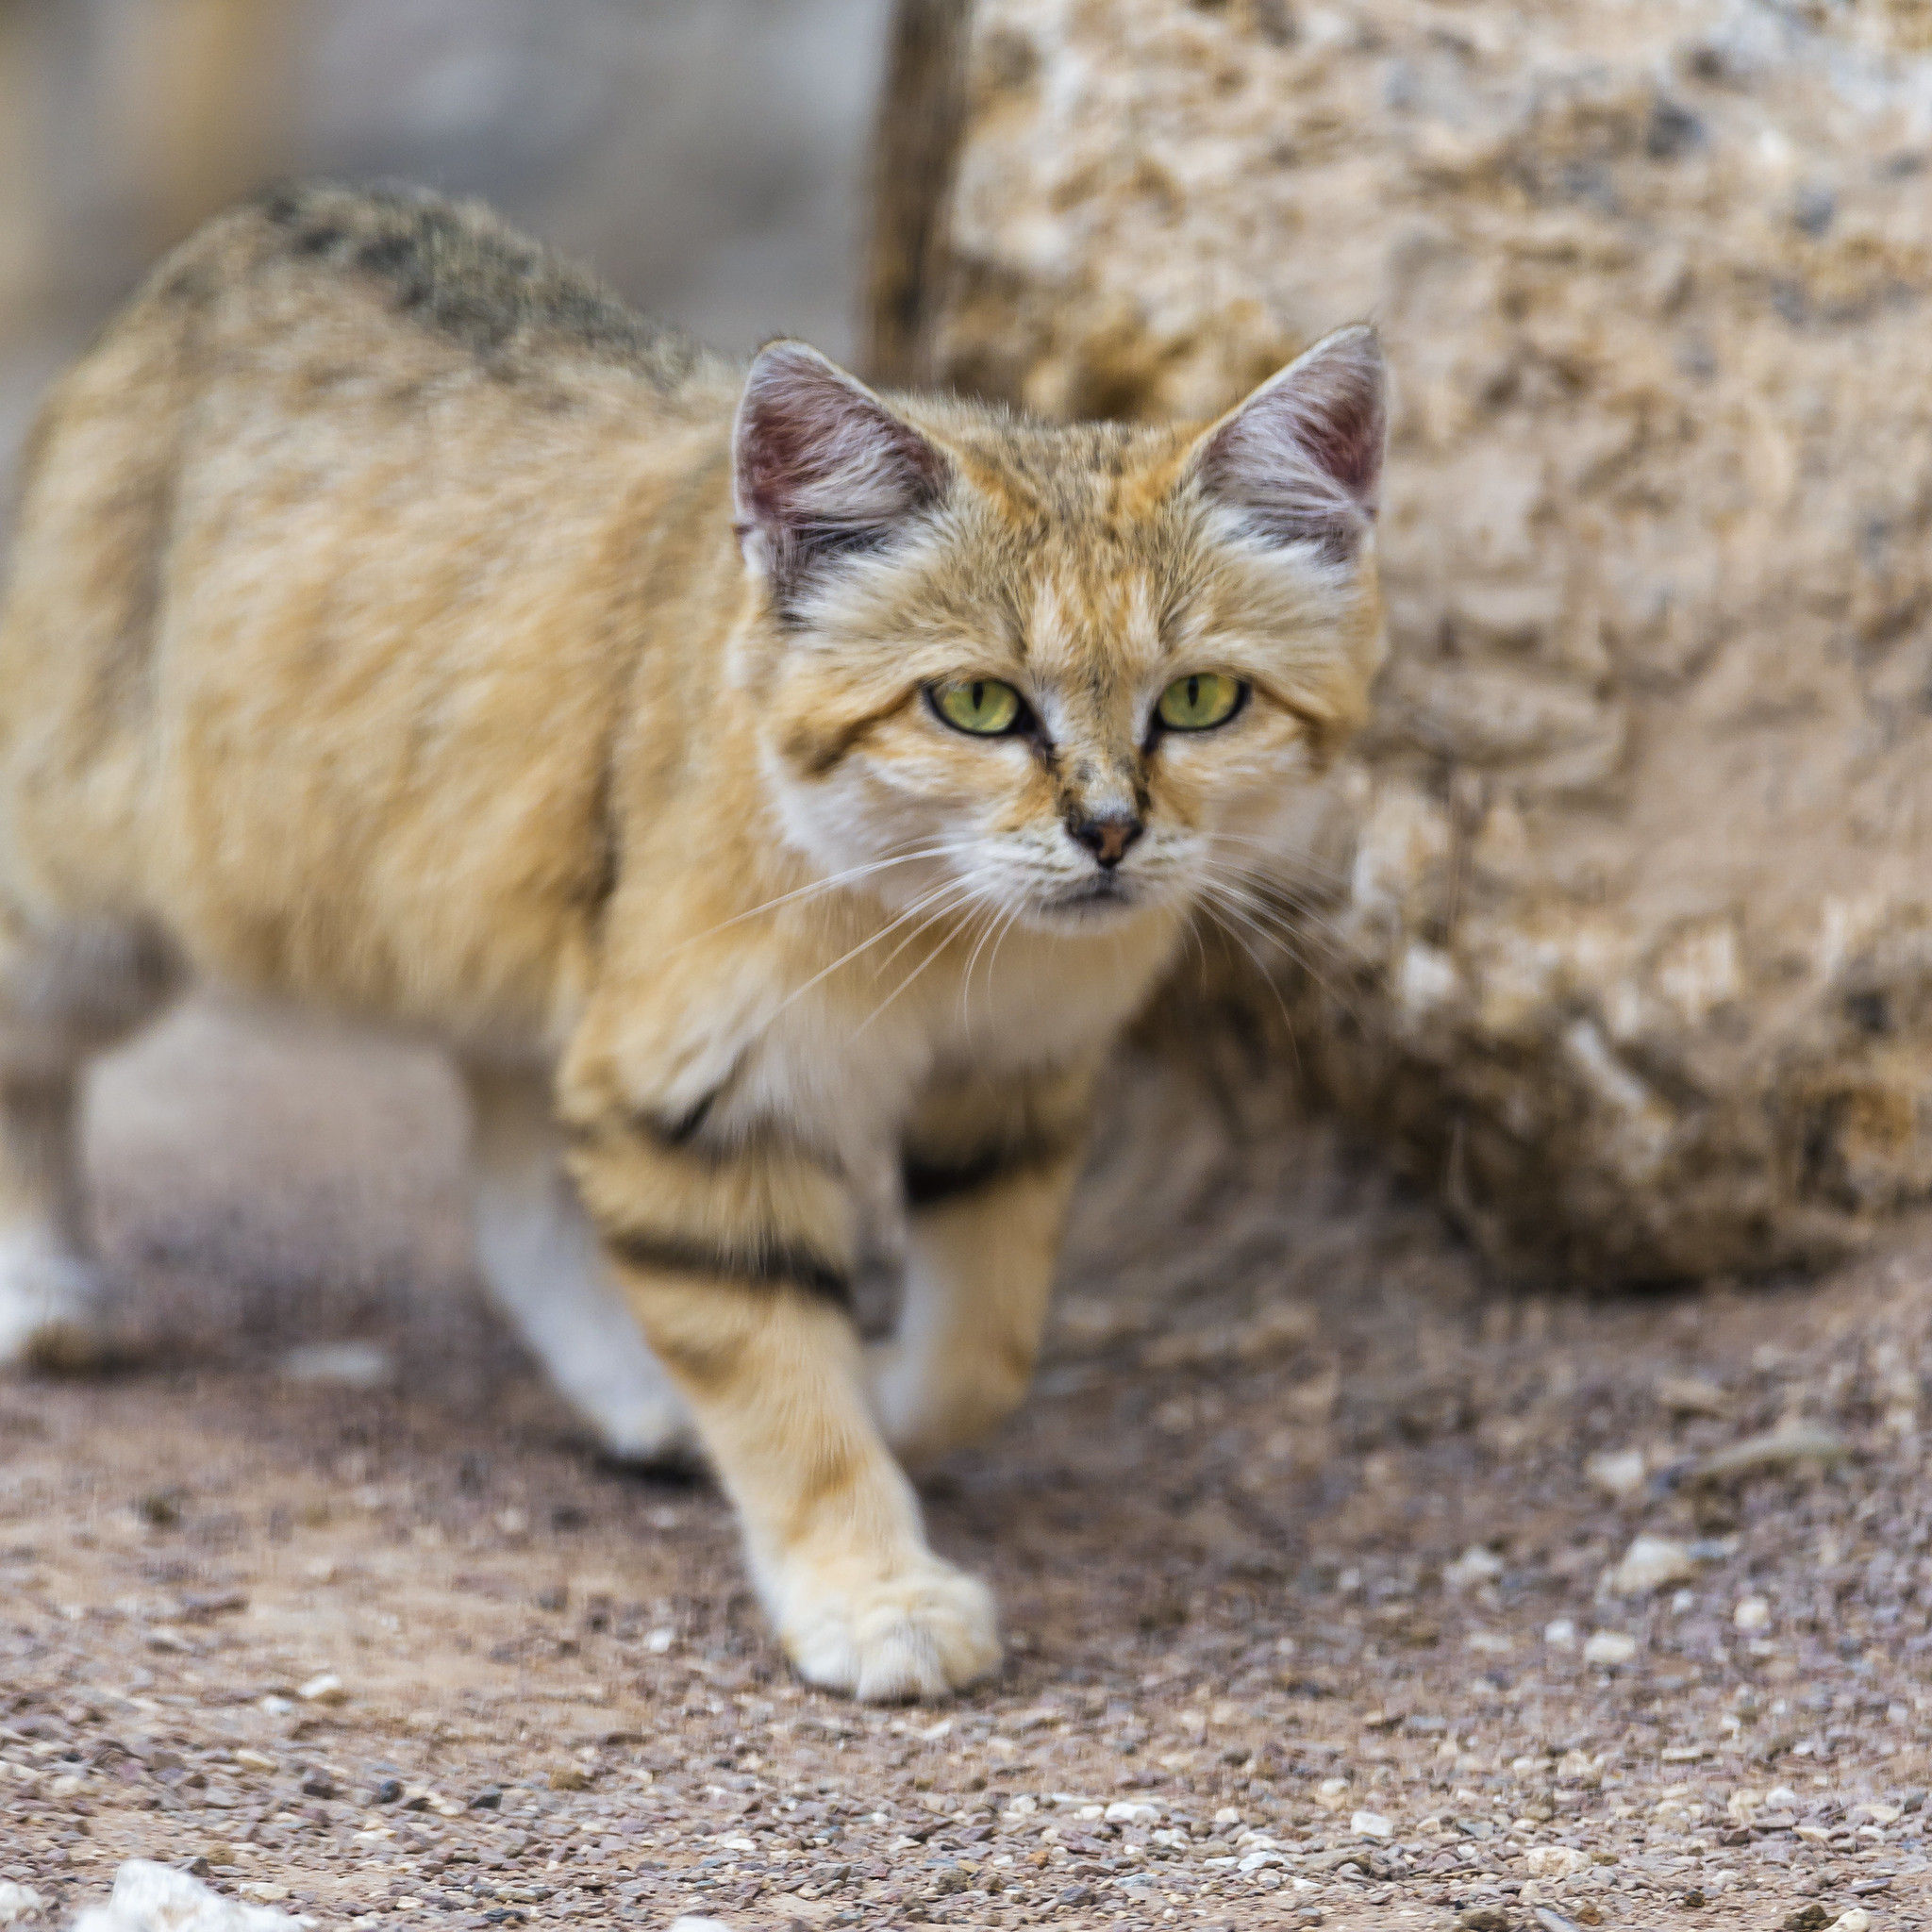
(1108, 834)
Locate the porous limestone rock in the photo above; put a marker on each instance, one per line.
(1628, 946)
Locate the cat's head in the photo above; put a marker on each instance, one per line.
(1065, 673)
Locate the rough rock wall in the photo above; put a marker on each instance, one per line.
(1630, 943)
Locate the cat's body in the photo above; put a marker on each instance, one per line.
(399, 626)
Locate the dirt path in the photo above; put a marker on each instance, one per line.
(1300, 1547)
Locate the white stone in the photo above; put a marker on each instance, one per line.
(1476, 1565)
(1371, 1824)
(1608, 1647)
(1554, 1862)
(1618, 1472)
(148, 1897)
(323, 1688)
(1753, 1613)
(1856, 1920)
(690, 1923)
(1559, 1633)
(1652, 1562)
(1129, 1811)
(19, 1902)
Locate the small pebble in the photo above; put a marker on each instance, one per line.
(1753, 1613)
(1787, 1446)
(1608, 1647)
(1691, 1395)
(1476, 1565)
(323, 1688)
(1651, 1563)
(1554, 1862)
(1617, 1473)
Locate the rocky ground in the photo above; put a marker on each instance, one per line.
(1343, 1586)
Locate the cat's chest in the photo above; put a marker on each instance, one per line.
(850, 1069)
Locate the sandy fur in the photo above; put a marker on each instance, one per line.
(384, 635)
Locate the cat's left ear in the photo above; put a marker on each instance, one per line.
(821, 467)
(1301, 460)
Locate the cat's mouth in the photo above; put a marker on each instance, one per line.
(1106, 893)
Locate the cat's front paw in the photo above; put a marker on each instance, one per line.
(50, 1310)
(924, 1629)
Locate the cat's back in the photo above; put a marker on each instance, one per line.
(333, 557)
(321, 284)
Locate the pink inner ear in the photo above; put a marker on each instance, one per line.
(1300, 459)
(817, 455)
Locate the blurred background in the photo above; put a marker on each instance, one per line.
(706, 157)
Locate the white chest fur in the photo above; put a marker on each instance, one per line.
(852, 1060)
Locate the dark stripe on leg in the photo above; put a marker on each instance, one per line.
(930, 1181)
(763, 1267)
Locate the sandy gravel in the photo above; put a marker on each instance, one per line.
(1320, 1558)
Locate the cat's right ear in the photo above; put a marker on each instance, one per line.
(821, 468)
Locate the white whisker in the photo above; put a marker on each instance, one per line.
(824, 884)
(945, 941)
(912, 911)
(1269, 927)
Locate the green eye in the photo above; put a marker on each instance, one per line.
(982, 705)
(1200, 702)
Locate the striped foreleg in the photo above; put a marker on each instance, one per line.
(736, 1262)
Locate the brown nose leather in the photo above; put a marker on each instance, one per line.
(1109, 835)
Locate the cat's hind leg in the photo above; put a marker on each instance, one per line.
(65, 996)
(540, 1260)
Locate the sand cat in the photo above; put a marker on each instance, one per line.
(774, 794)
